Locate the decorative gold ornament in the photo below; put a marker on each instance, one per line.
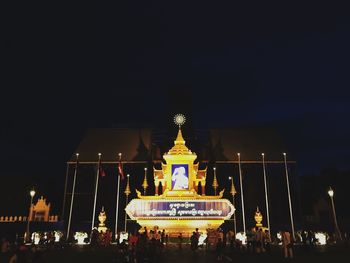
(179, 119)
(215, 181)
(233, 189)
(145, 183)
(102, 218)
(127, 187)
(258, 217)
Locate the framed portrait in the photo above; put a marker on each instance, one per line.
(179, 177)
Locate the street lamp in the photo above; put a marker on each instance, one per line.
(331, 194)
(31, 193)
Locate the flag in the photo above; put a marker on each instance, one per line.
(120, 169)
(102, 172)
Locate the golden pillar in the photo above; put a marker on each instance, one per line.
(126, 192)
(215, 181)
(145, 184)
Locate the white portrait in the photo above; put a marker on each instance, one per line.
(179, 178)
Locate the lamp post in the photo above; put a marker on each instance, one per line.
(331, 194)
(233, 193)
(31, 193)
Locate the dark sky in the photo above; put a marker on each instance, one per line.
(68, 68)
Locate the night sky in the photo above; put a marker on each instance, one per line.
(69, 68)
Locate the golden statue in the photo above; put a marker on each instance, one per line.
(258, 217)
(102, 218)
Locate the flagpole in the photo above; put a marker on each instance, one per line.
(72, 199)
(266, 196)
(242, 198)
(117, 204)
(96, 189)
(289, 198)
(65, 193)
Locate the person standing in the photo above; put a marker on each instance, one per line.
(287, 244)
(219, 249)
(267, 241)
(180, 241)
(194, 242)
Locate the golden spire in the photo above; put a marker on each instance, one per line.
(145, 184)
(179, 139)
(179, 146)
(127, 187)
(179, 143)
(215, 181)
(233, 189)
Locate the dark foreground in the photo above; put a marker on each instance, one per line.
(172, 254)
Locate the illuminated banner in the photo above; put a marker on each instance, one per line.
(184, 209)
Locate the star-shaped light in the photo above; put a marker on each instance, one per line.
(179, 119)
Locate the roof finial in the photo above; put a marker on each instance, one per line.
(179, 119)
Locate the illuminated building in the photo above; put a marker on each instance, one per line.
(180, 203)
(39, 212)
(145, 148)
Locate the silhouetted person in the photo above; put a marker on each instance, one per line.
(194, 242)
(219, 249)
(180, 241)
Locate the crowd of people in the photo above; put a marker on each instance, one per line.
(149, 245)
(146, 245)
(20, 253)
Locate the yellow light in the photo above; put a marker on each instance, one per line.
(128, 175)
(145, 168)
(99, 154)
(238, 154)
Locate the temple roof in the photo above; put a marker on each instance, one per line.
(134, 144)
(216, 144)
(250, 142)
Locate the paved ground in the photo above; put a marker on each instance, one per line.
(329, 255)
